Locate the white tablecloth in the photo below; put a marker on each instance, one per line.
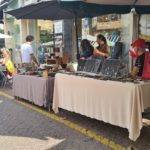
(113, 102)
(34, 89)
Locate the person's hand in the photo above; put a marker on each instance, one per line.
(95, 52)
(104, 55)
(130, 76)
(38, 64)
(83, 58)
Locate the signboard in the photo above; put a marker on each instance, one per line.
(108, 25)
(58, 25)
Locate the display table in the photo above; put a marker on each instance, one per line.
(117, 103)
(34, 89)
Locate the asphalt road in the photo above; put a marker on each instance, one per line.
(22, 128)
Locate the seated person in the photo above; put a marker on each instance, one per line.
(139, 48)
(87, 49)
(7, 62)
(103, 50)
(62, 61)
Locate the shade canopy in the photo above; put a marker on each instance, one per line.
(141, 6)
(120, 2)
(56, 10)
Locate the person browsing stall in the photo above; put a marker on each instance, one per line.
(87, 49)
(103, 50)
(27, 52)
(139, 48)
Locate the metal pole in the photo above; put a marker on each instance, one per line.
(53, 37)
(76, 31)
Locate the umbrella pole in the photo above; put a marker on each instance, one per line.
(76, 31)
(53, 37)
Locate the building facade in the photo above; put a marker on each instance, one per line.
(19, 29)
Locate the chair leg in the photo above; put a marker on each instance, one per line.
(5, 81)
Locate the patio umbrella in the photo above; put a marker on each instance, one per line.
(119, 2)
(141, 6)
(57, 10)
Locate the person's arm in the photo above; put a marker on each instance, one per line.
(34, 59)
(107, 54)
(6, 56)
(134, 71)
(97, 52)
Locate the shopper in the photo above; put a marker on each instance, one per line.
(103, 50)
(87, 49)
(27, 52)
(139, 48)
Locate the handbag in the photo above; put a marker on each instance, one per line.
(146, 69)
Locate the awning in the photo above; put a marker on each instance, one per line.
(56, 10)
(2, 7)
(141, 6)
(120, 2)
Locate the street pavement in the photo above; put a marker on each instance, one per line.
(22, 128)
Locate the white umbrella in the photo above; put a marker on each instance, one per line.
(4, 36)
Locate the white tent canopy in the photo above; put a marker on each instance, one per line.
(120, 2)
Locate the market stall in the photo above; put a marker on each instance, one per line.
(37, 90)
(114, 102)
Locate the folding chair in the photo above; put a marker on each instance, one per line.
(3, 78)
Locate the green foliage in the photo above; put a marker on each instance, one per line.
(45, 36)
(1, 31)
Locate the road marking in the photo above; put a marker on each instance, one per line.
(69, 124)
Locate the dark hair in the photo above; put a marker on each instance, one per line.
(102, 38)
(29, 38)
(85, 44)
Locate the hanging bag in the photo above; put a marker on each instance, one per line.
(146, 69)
